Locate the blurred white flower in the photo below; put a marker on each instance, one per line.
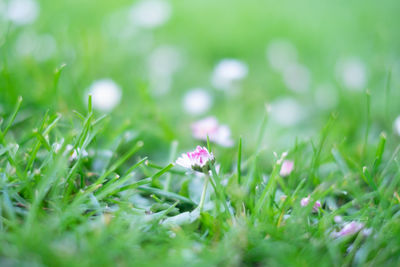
(197, 101)
(45, 47)
(367, 231)
(164, 60)
(160, 85)
(338, 219)
(352, 73)
(286, 112)
(118, 28)
(286, 168)
(57, 146)
(228, 72)
(41, 47)
(306, 200)
(78, 152)
(217, 133)
(162, 64)
(150, 13)
(25, 44)
(116, 25)
(326, 97)
(69, 151)
(350, 228)
(280, 54)
(106, 94)
(22, 12)
(396, 125)
(317, 206)
(297, 77)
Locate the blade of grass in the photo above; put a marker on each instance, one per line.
(368, 123)
(171, 158)
(379, 154)
(239, 162)
(117, 164)
(13, 115)
(251, 180)
(110, 187)
(165, 194)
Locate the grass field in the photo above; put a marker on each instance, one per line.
(295, 106)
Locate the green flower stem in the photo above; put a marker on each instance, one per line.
(203, 194)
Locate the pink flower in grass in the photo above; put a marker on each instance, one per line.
(217, 133)
(286, 168)
(306, 200)
(349, 229)
(197, 160)
(316, 206)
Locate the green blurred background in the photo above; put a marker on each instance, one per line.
(157, 51)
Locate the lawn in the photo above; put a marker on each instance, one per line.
(199, 133)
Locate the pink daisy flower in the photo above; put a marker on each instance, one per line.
(197, 160)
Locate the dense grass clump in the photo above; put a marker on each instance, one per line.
(70, 198)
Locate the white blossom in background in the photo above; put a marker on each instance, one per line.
(280, 54)
(150, 13)
(69, 150)
(297, 77)
(396, 125)
(305, 201)
(352, 73)
(286, 168)
(216, 132)
(162, 64)
(197, 101)
(326, 96)
(286, 112)
(57, 146)
(76, 153)
(164, 60)
(106, 94)
(22, 12)
(349, 228)
(45, 47)
(367, 231)
(41, 47)
(25, 44)
(160, 85)
(338, 219)
(117, 26)
(228, 73)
